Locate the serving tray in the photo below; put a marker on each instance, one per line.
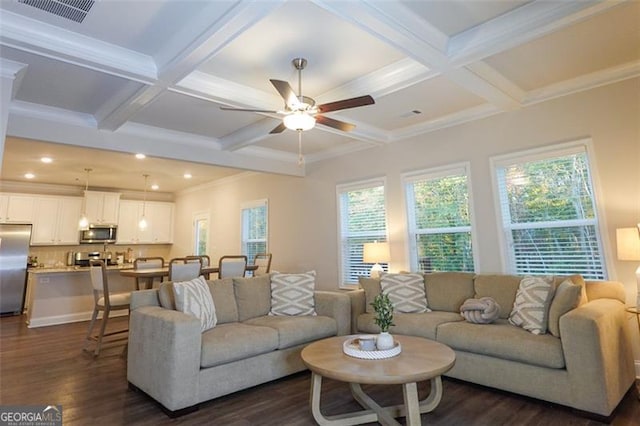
(351, 347)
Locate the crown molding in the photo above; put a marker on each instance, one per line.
(51, 114)
(10, 69)
(37, 37)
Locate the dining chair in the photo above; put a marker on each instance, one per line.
(263, 262)
(184, 269)
(106, 302)
(147, 263)
(232, 266)
(204, 259)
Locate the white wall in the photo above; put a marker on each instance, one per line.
(303, 220)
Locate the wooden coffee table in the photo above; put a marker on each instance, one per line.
(420, 360)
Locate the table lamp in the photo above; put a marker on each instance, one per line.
(628, 240)
(375, 253)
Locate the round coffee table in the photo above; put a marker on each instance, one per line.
(420, 360)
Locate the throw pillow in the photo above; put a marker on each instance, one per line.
(292, 294)
(567, 297)
(531, 307)
(406, 292)
(371, 287)
(480, 311)
(194, 298)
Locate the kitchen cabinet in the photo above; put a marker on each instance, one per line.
(159, 218)
(102, 207)
(56, 221)
(16, 208)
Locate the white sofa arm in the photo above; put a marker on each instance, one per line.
(163, 357)
(337, 306)
(596, 341)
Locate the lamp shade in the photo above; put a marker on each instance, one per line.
(628, 242)
(299, 120)
(375, 253)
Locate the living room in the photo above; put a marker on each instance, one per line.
(601, 118)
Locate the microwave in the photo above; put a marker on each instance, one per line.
(98, 234)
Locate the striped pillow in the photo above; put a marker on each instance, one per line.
(531, 307)
(292, 294)
(406, 292)
(194, 298)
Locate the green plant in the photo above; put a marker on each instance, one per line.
(384, 312)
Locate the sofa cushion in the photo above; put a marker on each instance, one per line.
(371, 287)
(194, 298)
(502, 288)
(253, 296)
(295, 330)
(421, 325)
(234, 341)
(405, 291)
(447, 291)
(531, 307)
(567, 297)
(221, 291)
(292, 294)
(503, 340)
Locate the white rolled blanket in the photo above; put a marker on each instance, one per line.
(480, 311)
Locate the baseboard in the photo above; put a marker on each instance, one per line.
(68, 318)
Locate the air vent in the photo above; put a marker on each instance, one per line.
(75, 10)
(411, 113)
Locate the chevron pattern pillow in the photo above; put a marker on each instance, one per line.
(531, 307)
(406, 292)
(194, 298)
(292, 294)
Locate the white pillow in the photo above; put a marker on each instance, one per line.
(531, 307)
(406, 292)
(292, 294)
(194, 298)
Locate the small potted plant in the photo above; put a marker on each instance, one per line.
(383, 319)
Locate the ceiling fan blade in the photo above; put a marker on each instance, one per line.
(336, 124)
(346, 103)
(285, 90)
(248, 110)
(278, 129)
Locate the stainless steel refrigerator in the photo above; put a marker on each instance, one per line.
(14, 253)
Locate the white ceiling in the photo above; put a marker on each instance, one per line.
(150, 76)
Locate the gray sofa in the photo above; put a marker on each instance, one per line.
(588, 367)
(172, 361)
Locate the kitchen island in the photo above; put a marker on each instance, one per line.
(63, 295)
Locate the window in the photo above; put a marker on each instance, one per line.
(254, 228)
(548, 211)
(439, 220)
(201, 233)
(362, 217)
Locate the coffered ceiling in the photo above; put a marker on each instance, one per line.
(151, 76)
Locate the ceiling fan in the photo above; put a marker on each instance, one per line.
(300, 112)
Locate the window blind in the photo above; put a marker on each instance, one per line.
(549, 215)
(439, 219)
(254, 229)
(362, 220)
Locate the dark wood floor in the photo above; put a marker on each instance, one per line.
(47, 366)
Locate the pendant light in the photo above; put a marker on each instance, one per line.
(143, 220)
(83, 223)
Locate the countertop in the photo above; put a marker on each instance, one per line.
(66, 269)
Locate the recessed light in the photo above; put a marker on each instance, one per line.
(46, 160)
(29, 175)
(155, 187)
(140, 156)
(187, 176)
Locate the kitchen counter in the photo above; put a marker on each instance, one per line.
(60, 295)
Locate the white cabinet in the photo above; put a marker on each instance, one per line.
(159, 217)
(56, 221)
(102, 207)
(15, 208)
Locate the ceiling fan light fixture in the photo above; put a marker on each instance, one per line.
(299, 121)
